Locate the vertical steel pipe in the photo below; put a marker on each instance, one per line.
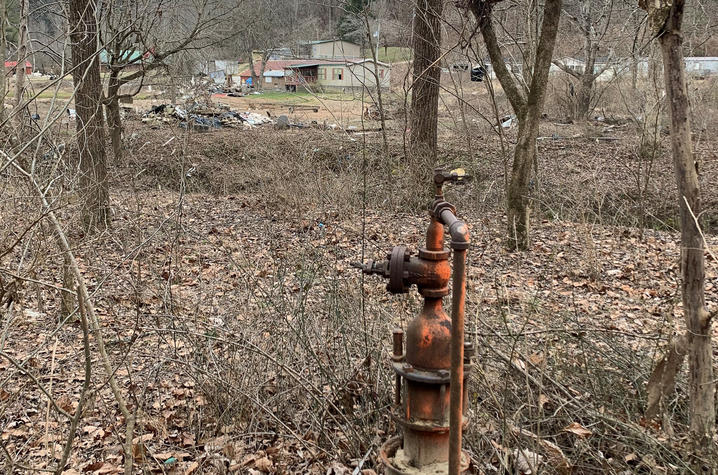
(398, 344)
(457, 361)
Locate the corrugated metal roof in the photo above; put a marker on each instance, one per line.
(272, 65)
(318, 42)
(12, 64)
(348, 62)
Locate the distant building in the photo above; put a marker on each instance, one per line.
(701, 66)
(221, 71)
(278, 54)
(11, 67)
(512, 66)
(319, 74)
(610, 68)
(227, 66)
(274, 72)
(349, 74)
(573, 64)
(329, 49)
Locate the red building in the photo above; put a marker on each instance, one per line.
(11, 65)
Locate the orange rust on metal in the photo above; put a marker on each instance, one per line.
(457, 360)
(432, 363)
(398, 337)
(428, 337)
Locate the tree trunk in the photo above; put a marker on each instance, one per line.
(427, 77)
(519, 204)
(90, 121)
(114, 119)
(666, 16)
(698, 321)
(583, 98)
(3, 53)
(21, 58)
(252, 72)
(114, 124)
(527, 107)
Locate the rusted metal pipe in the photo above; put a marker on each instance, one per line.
(398, 344)
(456, 419)
(430, 372)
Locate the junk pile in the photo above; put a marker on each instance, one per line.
(203, 118)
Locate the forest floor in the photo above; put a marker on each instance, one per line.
(246, 342)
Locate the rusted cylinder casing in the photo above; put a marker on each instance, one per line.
(430, 368)
(428, 337)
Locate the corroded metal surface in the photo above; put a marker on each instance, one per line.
(430, 372)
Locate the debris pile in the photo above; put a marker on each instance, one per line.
(203, 118)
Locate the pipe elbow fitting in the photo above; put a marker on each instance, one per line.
(460, 237)
(458, 230)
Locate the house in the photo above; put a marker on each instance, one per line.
(319, 74)
(221, 71)
(608, 68)
(329, 49)
(227, 66)
(276, 54)
(11, 66)
(512, 65)
(274, 72)
(574, 64)
(348, 74)
(701, 66)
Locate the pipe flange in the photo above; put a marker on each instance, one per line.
(427, 425)
(397, 264)
(434, 293)
(428, 255)
(429, 376)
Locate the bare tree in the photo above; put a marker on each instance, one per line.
(427, 77)
(264, 26)
(592, 20)
(665, 18)
(3, 52)
(22, 38)
(527, 102)
(140, 36)
(90, 120)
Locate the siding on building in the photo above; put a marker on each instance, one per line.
(702, 65)
(353, 75)
(333, 49)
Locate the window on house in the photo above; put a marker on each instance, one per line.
(268, 79)
(337, 73)
(322, 73)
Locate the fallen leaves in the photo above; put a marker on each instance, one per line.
(578, 429)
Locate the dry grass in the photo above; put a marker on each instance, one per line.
(239, 331)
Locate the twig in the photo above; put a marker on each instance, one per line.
(85, 387)
(39, 282)
(47, 410)
(36, 382)
(357, 470)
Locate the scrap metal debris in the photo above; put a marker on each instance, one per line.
(203, 118)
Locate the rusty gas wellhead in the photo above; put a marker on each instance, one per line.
(424, 402)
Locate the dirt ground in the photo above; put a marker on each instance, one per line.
(247, 343)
